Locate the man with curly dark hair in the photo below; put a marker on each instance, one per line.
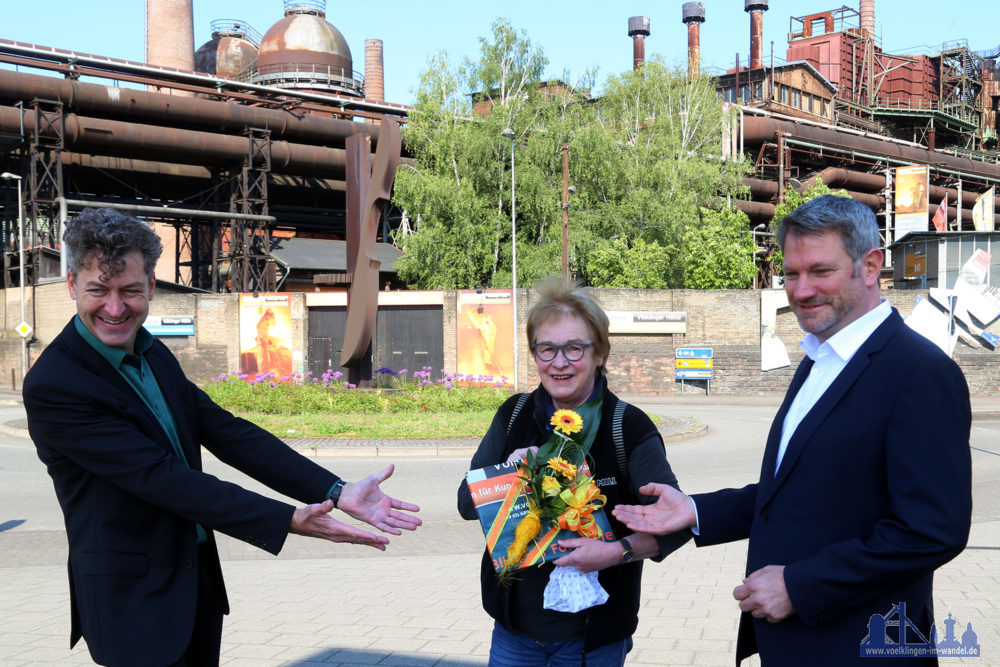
(121, 428)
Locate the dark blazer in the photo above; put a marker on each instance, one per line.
(131, 505)
(874, 492)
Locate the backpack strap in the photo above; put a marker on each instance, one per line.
(619, 438)
(521, 400)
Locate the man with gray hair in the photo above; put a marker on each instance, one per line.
(120, 429)
(866, 484)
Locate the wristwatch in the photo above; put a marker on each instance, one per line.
(627, 553)
(338, 486)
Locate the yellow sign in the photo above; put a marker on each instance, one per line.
(694, 363)
(23, 329)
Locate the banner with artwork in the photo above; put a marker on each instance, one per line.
(266, 334)
(485, 345)
(911, 199)
(983, 211)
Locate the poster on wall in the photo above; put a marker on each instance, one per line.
(911, 199)
(266, 334)
(485, 345)
(772, 349)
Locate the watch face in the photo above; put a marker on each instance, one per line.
(627, 551)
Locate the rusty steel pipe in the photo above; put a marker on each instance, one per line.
(96, 135)
(693, 14)
(758, 130)
(756, 39)
(110, 100)
(179, 171)
(756, 9)
(755, 210)
(836, 177)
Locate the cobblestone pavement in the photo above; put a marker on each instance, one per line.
(419, 603)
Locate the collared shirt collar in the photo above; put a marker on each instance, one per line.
(848, 340)
(114, 356)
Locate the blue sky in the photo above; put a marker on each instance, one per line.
(575, 36)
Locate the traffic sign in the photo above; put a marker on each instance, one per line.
(694, 363)
(693, 353)
(694, 374)
(23, 329)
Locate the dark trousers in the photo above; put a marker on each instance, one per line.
(206, 638)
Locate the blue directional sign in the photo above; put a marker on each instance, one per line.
(693, 353)
(693, 374)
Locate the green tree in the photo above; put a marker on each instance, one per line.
(644, 159)
(720, 251)
(648, 162)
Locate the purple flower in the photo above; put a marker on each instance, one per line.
(271, 384)
(447, 385)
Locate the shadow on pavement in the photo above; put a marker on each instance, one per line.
(333, 656)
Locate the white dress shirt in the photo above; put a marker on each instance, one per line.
(829, 359)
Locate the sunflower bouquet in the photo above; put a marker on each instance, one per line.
(561, 491)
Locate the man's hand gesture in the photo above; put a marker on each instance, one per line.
(366, 502)
(671, 512)
(315, 521)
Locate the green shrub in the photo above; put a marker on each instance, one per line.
(395, 392)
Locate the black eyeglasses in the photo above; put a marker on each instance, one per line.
(571, 351)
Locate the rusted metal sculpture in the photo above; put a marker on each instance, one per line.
(371, 188)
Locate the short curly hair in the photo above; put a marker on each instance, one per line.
(557, 298)
(108, 235)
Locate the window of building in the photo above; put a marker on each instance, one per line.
(796, 97)
(745, 93)
(758, 90)
(784, 93)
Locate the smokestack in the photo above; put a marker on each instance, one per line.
(693, 14)
(868, 17)
(756, 9)
(170, 36)
(374, 74)
(638, 30)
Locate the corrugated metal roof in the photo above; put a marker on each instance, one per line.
(325, 255)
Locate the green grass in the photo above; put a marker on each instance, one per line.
(376, 426)
(416, 408)
(413, 407)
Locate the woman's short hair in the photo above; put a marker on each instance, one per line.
(556, 298)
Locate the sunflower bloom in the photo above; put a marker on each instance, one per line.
(563, 466)
(551, 486)
(567, 422)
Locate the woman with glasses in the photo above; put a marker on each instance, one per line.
(568, 334)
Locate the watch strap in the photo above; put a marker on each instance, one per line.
(338, 487)
(626, 550)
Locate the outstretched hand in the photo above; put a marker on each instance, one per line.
(315, 521)
(671, 512)
(366, 502)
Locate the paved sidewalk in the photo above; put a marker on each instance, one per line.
(419, 603)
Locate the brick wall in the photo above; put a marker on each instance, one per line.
(728, 321)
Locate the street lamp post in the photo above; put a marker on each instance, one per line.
(565, 213)
(7, 176)
(508, 133)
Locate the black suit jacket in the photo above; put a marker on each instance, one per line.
(873, 494)
(131, 505)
